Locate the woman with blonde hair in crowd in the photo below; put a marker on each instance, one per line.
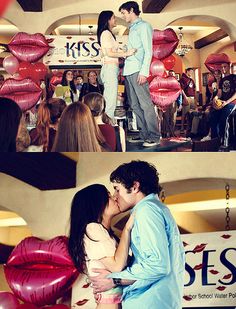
(49, 113)
(114, 135)
(77, 131)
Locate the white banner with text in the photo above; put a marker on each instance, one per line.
(76, 50)
(210, 270)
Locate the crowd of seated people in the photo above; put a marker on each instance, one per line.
(62, 123)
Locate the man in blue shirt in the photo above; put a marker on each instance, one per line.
(136, 71)
(155, 278)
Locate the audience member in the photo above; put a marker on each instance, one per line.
(91, 86)
(69, 92)
(224, 107)
(23, 137)
(114, 135)
(10, 117)
(77, 131)
(49, 113)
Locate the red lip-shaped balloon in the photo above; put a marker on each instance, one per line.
(164, 43)
(164, 91)
(214, 61)
(28, 47)
(39, 272)
(24, 92)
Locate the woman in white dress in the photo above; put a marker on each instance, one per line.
(110, 59)
(91, 240)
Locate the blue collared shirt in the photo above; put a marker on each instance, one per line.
(140, 37)
(158, 259)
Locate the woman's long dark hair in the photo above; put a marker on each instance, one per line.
(87, 206)
(64, 81)
(103, 19)
(10, 116)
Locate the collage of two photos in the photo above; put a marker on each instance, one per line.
(154, 226)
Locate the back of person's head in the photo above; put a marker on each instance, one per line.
(56, 107)
(130, 5)
(10, 117)
(95, 102)
(49, 112)
(137, 171)
(87, 206)
(103, 19)
(76, 130)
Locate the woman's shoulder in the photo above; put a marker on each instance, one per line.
(95, 227)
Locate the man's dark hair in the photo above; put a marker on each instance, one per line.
(130, 5)
(189, 69)
(140, 171)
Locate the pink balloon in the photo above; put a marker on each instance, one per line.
(8, 300)
(28, 47)
(164, 91)
(157, 68)
(11, 64)
(164, 43)
(40, 272)
(24, 92)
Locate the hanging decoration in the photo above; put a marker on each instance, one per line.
(183, 47)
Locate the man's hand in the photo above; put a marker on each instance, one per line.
(100, 283)
(141, 79)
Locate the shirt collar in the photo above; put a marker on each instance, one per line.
(137, 21)
(146, 198)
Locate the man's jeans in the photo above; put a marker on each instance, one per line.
(141, 104)
(219, 122)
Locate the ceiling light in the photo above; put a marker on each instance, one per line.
(183, 48)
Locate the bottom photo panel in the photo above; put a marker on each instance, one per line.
(113, 231)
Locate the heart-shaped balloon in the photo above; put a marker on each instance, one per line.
(164, 91)
(39, 272)
(214, 61)
(29, 47)
(3, 6)
(164, 43)
(24, 92)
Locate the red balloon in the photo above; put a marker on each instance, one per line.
(39, 71)
(169, 62)
(3, 6)
(25, 69)
(164, 43)
(58, 306)
(150, 78)
(157, 68)
(11, 64)
(27, 306)
(40, 272)
(214, 61)
(8, 300)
